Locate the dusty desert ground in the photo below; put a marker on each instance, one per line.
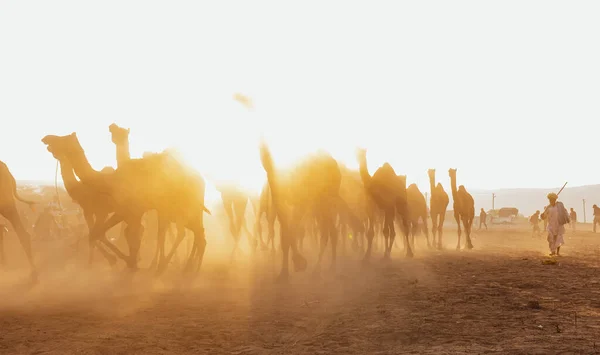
(450, 302)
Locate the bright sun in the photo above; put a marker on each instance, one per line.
(234, 157)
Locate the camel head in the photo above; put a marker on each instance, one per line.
(61, 146)
(119, 135)
(452, 173)
(431, 173)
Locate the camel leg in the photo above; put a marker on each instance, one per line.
(457, 218)
(162, 265)
(343, 226)
(426, 230)
(370, 235)
(297, 258)
(161, 238)
(434, 226)
(324, 229)
(333, 235)
(440, 230)
(271, 231)
(90, 219)
(468, 223)
(409, 248)
(386, 236)
(201, 240)
(98, 233)
(196, 225)
(13, 217)
(414, 227)
(133, 235)
(228, 205)
(389, 233)
(284, 232)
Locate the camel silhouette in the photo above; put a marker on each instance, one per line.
(388, 190)
(313, 186)
(464, 209)
(359, 215)
(120, 137)
(159, 181)
(438, 204)
(8, 209)
(235, 202)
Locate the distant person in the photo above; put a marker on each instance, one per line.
(482, 219)
(596, 216)
(535, 222)
(573, 217)
(556, 216)
(45, 227)
(545, 220)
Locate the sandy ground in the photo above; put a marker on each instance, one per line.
(480, 301)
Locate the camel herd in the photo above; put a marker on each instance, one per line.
(319, 196)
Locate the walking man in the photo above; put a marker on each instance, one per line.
(482, 219)
(535, 221)
(556, 216)
(596, 216)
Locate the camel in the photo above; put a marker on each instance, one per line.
(8, 209)
(235, 202)
(361, 212)
(464, 209)
(120, 137)
(438, 204)
(417, 210)
(312, 186)
(159, 181)
(388, 190)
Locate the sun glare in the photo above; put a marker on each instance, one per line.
(232, 155)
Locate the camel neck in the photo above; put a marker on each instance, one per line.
(453, 186)
(432, 184)
(364, 172)
(123, 154)
(69, 179)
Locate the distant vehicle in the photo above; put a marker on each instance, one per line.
(505, 215)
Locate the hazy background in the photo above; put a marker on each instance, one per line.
(507, 92)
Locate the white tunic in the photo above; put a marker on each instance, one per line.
(555, 230)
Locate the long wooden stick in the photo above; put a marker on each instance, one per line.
(562, 188)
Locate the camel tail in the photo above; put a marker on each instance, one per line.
(14, 189)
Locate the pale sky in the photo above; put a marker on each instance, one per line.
(505, 91)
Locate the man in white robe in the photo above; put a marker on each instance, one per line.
(557, 216)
